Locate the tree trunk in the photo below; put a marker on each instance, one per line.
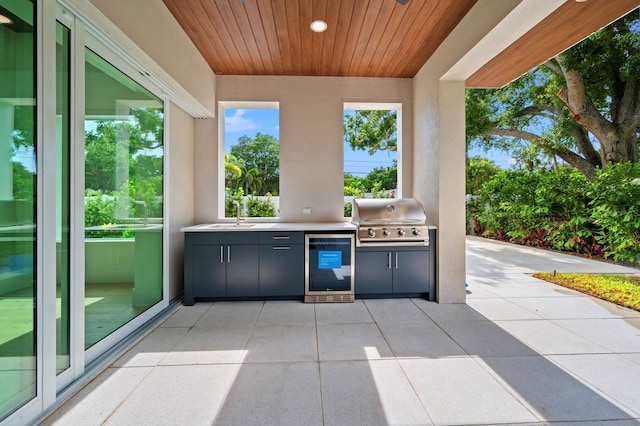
(618, 141)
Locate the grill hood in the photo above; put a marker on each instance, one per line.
(387, 211)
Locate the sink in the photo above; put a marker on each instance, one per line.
(232, 225)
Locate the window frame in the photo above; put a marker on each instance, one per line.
(223, 106)
(382, 106)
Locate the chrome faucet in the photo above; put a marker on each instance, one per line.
(237, 204)
(146, 211)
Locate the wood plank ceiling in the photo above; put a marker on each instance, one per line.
(368, 38)
(365, 38)
(566, 26)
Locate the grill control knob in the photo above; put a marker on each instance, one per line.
(416, 231)
(372, 233)
(401, 232)
(386, 233)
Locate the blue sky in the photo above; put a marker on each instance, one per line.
(500, 158)
(240, 122)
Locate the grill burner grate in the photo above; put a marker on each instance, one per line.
(390, 221)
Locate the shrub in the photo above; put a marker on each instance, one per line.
(615, 195)
(230, 209)
(565, 210)
(260, 208)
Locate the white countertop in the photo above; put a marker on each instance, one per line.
(277, 226)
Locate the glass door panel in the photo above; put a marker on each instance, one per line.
(63, 218)
(124, 156)
(17, 206)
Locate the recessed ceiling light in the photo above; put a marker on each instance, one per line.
(318, 26)
(5, 20)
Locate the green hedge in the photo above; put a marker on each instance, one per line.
(564, 210)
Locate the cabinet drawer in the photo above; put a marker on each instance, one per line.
(224, 238)
(281, 238)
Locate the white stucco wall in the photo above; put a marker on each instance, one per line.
(311, 139)
(180, 201)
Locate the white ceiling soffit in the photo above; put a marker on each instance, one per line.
(518, 22)
(109, 34)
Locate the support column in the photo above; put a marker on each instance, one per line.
(451, 193)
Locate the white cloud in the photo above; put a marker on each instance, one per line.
(238, 123)
(511, 161)
(277, 128)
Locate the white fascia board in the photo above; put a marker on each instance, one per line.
(521, 19)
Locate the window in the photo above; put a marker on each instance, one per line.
(371, 145)
(251, 155)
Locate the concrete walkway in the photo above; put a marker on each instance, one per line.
(522, 351)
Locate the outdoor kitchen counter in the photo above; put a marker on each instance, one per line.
(277, 226)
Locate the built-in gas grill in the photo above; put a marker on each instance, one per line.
(389, 222)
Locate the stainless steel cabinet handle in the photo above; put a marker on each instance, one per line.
(389, 260)
(221, 254)
(277, 237)
(396, 260)
(228, 254)
(281, 247)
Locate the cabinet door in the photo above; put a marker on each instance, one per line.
(242, 270)
(281, 270)
(411, 271)
(373, 272)
(208, 271)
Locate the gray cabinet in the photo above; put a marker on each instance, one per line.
(401, 271)
(220, 264)
(281, 264)
(374, 273)
(243, 265)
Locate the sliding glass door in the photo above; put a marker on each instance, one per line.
(123, 216)
(18, 189)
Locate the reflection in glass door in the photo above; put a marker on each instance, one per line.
(123, 197)
(17, 206)
(63, 218)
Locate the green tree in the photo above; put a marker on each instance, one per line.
(250, 181)
(384, 178)
(479, 171)
(23, 182)
(371, 130)
(147, 129)
(100, 154)
(582, 106)
(261, 153)
(232, 168)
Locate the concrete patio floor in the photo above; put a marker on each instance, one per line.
(522, 351)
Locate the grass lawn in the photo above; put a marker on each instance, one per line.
(622, 290)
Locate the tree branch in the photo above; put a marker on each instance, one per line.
(633, 127)
(581, 136)
(548, 111)
(567, 155)
(552, 64)
(629, 104)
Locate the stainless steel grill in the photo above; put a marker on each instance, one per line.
(390, 221)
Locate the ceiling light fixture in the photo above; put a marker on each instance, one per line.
(318, 26)
(5, 20)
